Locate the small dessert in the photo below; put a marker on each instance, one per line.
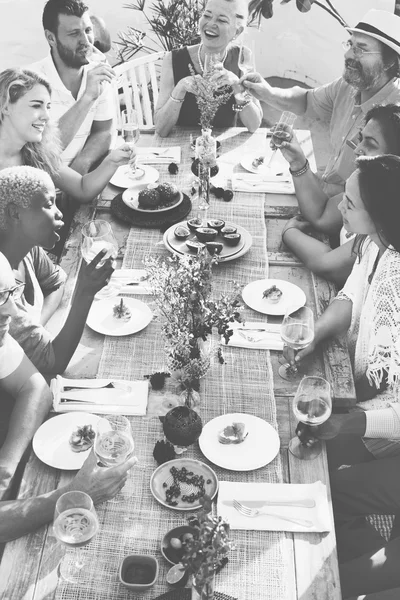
(206, 234)
(233, 434)
(194, 245)
(217, 224)
(257, 162)
(181, 232)
(228, 229)
(168, 192)
(149, 198)
(273, 294)
(82, 438)
(121, 311)
(214, 247)
(232, 239)
(193, 224)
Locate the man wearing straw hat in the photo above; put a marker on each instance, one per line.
(370, 77)
(80, 78)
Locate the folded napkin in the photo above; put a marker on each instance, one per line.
(102, 396)
(250, 493)
(252, 334)
(273, 184)
(159, 155)
(126, 281)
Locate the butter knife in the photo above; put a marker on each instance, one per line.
(305, 503)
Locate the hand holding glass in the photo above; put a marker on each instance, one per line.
(312, 405)
(75, 525)
(297, 332)
(282, 132)
(96, 236)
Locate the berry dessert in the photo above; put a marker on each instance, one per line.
(257, 162)
(149, 198)
(233, 434)
(121, 311)
(273, 294)
(168, 192)
(82, 438)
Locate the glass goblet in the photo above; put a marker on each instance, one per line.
(130, 131)
(312, 405)
(75, 525)
(297, 332)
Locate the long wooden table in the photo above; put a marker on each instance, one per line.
(28, 567)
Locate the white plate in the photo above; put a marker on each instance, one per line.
(257, 450)
(122, 179)
(279, 166)
(292, 295)
(101, 319)
(130, 198)
(51, 441)
(228, 253)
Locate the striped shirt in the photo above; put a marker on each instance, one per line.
(62, 100)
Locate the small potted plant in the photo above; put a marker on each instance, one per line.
(206, 551)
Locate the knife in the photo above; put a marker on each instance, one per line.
(305, 503)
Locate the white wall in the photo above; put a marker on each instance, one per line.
(291, 44)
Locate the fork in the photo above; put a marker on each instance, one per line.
(255, 512)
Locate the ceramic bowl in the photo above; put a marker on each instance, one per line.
(174, 555)
(138, 571)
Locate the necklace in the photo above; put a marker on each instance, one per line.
(201, 62)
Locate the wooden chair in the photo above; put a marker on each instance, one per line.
(136, 85)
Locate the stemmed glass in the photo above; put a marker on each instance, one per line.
(246, 65)
(75, 525)
(212, 60)
(113, 443)
(297, 332)
(96, 236)
(131, 133)
(312, 405)
(283, 131)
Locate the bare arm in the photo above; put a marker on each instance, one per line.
(33, 401)
(167, 110)
(50, 304)
(71, 121)
(20, 517)
(96, 147)
(293, 99)
(334, 265)
(85, 188)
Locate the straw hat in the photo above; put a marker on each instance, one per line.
(381, 25)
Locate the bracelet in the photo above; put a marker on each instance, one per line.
(300, 171)
(283, 233)
(176, 99)
(240, 107)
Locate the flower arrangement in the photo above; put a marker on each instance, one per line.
(208, 98)
(182, 291)
(207, 550)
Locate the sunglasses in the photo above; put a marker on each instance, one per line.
(15, 292)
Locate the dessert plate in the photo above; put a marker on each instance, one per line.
(162, 479)
(292, 295)
(259, 448)
(122, 177)
(228, 252)
(279, 167)
(130, 198)
(51, 441)
(102, 320)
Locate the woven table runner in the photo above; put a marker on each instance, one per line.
(257, 569)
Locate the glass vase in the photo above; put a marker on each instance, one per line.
(204, 590)
(191, 398)
(206, 153)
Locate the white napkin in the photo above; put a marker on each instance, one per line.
(273, 184)
(319, 515)
(125, 398)
(159, 155)
(252, 334)
(130, 281)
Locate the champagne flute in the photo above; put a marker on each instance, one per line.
(212, 61)
(131, 134)
(246, 65)
(312, 405)
(113, 443)
(75, 525)
(283, 131)
(297, 332)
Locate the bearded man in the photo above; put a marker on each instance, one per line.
(370, 77)
(80, 78)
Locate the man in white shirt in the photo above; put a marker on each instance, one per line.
(80, 78)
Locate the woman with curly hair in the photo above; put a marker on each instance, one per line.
(28, 138)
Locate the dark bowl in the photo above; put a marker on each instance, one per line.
(173, 555)
(138, 571)
(206, 234)
(232, 239)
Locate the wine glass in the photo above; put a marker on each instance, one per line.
(246, 65)
(212, 61)
(312, 405)
(131, 133)
(283, 132)
(96, 236)
(75, 525)
(297, 332)
(113, 443)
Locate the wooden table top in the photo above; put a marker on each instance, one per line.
(27, 568)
